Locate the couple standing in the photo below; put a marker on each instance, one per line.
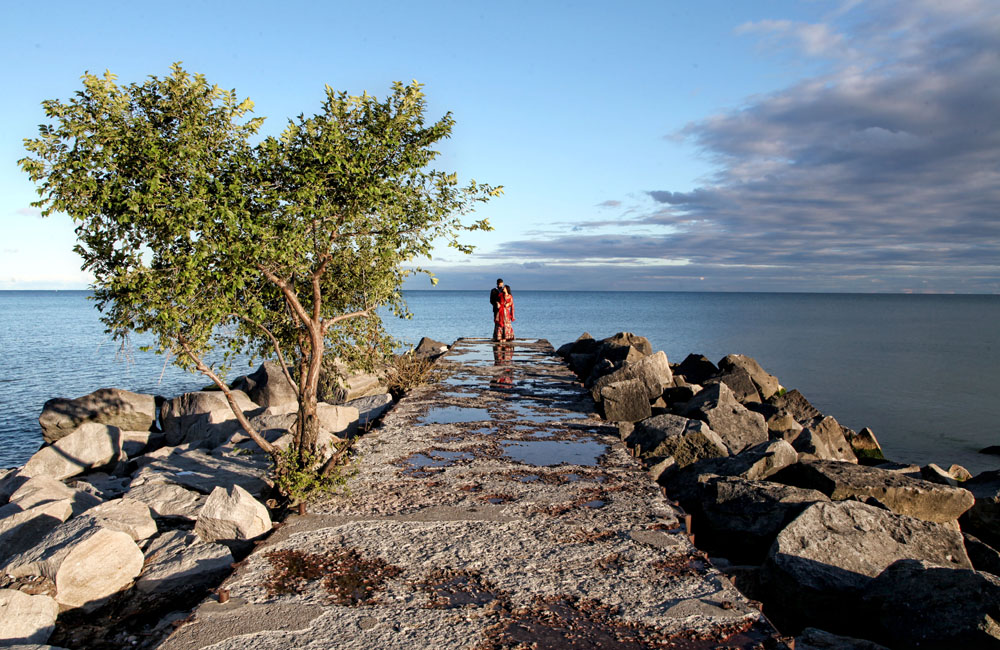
(503, 312)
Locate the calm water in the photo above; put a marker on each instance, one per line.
(920, 370)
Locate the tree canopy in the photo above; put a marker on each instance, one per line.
(282, 247)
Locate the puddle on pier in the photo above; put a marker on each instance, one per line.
(547, 453)
(422, 464)
(529, 411)
(453, 415)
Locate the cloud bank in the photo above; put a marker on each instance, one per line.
(883, 174)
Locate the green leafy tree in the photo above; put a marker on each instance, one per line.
(282, 248)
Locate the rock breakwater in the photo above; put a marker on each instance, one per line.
(803, 513)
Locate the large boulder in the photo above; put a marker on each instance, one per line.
(177, 563)
(688, 441)
(766, 383)
(795, 403)
(625, 401)
(26, 619)
(178, 414)
(915, 603)
(824, 438)
(430, 348)
(738, 381)
(21, 529)
(355, 385)
(983, 556)
(112, 406)
(740, 518)
(45, 489)
(168, 500)
(780, 422)
(653, 371)
(865, 445)
(203, 472)
(755, 464)
(267, 386)
(625, 340)
(898, 492)
(697, 369)
(370, 408)
(738, 427)
(130, 516)
(983, 518)
(90, 446)
(823, 561)
(87, 562)
(231, 515)
(338, 420)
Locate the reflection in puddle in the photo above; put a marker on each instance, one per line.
(596, 503)
(453, 414)
(419, 463)
(554, 452)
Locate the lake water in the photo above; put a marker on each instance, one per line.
(921, 371)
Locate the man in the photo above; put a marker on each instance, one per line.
(495, 297)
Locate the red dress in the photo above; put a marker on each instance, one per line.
(503, 330)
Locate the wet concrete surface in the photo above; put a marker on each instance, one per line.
(492, 509)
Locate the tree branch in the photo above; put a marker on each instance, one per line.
(277, 350)
(240, 417)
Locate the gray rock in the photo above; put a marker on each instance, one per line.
(44, 489)
(653, 371)
(711, 396)
(625, 401)
(983, 518)
(812, 638)
(754, 464)
(582, 363)
(740, 383)
(20, 529)
(688, 441)
(697, 369)
(90, 446)
(338, 420)
(959, 473)
(134, 443)
(112, 406)
(983, 556)
(780, 423)
(87, 562)
(130, 516)
(370, 408)
(168, 500)
(899, 493)
(178, 414)
(933, 473)
(626, 340)
(766, 383)
(177, 563)
(267, 386)
(357, 385)
(203, 472)
(915, 603)
(864, 444)
(824, 438)
(738, 427)
(231, 515)
(822, 561)
(431, 348)
(740, 518)
(26, 619)
(795, 403)
(103, 485)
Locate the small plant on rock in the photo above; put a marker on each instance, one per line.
(297, 478)
(408, 371)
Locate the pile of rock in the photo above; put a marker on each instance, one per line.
(140, 503)
(894, 553)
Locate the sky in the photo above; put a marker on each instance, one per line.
(814, 146)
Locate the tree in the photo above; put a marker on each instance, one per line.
(282, 248)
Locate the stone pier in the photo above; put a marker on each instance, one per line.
(491, 509)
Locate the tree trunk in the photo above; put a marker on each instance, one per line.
(307, 425)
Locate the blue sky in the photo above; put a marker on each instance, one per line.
(723, 146)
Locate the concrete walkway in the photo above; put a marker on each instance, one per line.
(491, 510)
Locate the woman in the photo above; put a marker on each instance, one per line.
(502, 329)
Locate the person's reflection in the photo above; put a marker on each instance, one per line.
(503, 354)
